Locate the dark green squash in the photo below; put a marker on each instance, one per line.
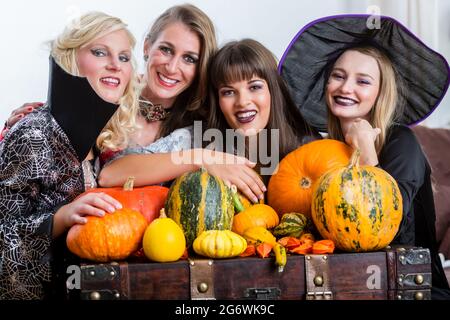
(197, 202)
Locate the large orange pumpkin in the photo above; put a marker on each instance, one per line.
(358, 207)
(111, 237)
(147, 200)
(290, 189)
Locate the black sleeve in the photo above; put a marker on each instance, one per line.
(402, 157)
(25, 228)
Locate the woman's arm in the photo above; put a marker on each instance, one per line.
(155, 168)
(361, 135)
(94, 204)
(147, 169)
(18, 114)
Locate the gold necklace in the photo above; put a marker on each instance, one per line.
(152, 112)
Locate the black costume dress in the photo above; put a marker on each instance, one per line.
(402, 157)
(40, 170)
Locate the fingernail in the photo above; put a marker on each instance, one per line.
(261, 197)
(111, 209)
(255, 200)
(118, 206)
(264, 189)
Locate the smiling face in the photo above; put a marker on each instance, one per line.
(353, 86)
(106, 63)
(172, 63)
(246, 104)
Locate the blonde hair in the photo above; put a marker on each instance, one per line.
(193, 98)
(387, 106)
(81, 32)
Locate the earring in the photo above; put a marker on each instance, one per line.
(145, 57)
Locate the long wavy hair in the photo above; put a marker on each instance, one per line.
(188, 106)
(81, 32)
(242, 60)
(387, 107)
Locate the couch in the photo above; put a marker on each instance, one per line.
(435, 143)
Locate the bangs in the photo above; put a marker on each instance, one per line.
(236, 64)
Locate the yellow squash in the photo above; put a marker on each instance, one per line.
(164, 240)
(219, 244)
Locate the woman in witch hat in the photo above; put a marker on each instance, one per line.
(365, 86)
(44, 159)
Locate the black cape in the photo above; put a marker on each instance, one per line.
(402, 157)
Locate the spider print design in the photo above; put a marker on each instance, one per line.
(39, 171)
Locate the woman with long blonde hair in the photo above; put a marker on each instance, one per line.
(44, 159)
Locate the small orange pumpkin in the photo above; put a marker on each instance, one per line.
(111, 237)
(258, 215)
(290, 189)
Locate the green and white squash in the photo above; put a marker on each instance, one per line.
(198, 201)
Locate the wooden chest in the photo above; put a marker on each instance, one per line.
(396, 273)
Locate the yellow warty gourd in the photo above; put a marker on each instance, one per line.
(219, 244)
(262, 235)
(164, 240)
(259, 234)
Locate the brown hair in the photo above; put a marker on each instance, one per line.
(188, 104)
(241, 60)
(387, 107)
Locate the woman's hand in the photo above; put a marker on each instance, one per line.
(235, 170)
(21, 112)
(361, 135)
(94, 204)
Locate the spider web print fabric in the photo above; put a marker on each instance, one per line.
(39, 170)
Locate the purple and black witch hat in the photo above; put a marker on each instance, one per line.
(424, 73)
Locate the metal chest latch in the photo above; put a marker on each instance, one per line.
(262, 293)
(109, 273)
(317, 277)
(201, 279)
(413, 285)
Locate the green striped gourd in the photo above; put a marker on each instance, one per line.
(292, 225)
(198, 201)
(359, 208)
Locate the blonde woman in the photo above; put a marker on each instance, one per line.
(44, 159)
